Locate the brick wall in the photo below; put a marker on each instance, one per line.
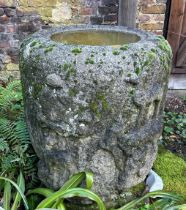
(19, 18)
(14, 26)
(151, 15)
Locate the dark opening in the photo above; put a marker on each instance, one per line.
(167, 15)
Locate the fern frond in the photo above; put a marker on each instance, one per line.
(7, 130)
(8, 162)
(3, 145)
(15, 147)
(21, 132)
(11, 99)
(15, 85)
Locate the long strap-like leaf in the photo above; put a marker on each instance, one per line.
(158, 194)
(79, 192)
(18, 189)
(89, 179)
(41, 191)
(7, 196)
(75, 181)
(21, 184)
(179, 207)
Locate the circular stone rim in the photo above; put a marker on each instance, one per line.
(46, 35)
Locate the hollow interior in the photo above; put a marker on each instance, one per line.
(95, 38)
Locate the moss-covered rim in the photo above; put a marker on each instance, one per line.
(45, 35)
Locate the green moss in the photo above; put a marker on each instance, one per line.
(115, 52)
(146, 63)
(48, 49)
(123, 57)
(104, 54)
(172, 169)
(129, 75)
(138, 189)
(94, 107)
(71, 72)
(73, 92)
(100, 99)
(89, 61)
(34, 43)
(137, 70)
(65, 67)
(69, 69)
(132, 92)
(124, 47)
(135, 63)
(36, 90)
(164, 46)
(37, 58)
(76, 51)
(151, 56)
(101, 61)
(154, 50)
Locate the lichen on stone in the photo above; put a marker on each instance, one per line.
(89, 61)
(99, 100)
(36, 90)
(73, 92)
(76, 51)
(49, 49)
(124, 47)
(115, 52)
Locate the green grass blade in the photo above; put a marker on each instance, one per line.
(157, 194)
(89, 180)
(179, 207)
(61, 206)
(41, 191)
(18, 189)
(79, 192)
(74, 181)
(46, 209)
(7, 196)
(21, 184)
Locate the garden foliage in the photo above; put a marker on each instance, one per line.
(16, 151)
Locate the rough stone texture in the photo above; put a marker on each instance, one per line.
(104, 116)
(20, 18)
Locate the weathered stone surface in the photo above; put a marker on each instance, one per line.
(104, 115)
(62, 12)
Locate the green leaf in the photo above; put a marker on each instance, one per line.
(21, 184)
(74, 181)
(157, 194)
(18, 189)
(7, 196)
(46, 209)
(79, 192)
(61, 206)
(41, 191)
(89, 180)
(179, 207)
